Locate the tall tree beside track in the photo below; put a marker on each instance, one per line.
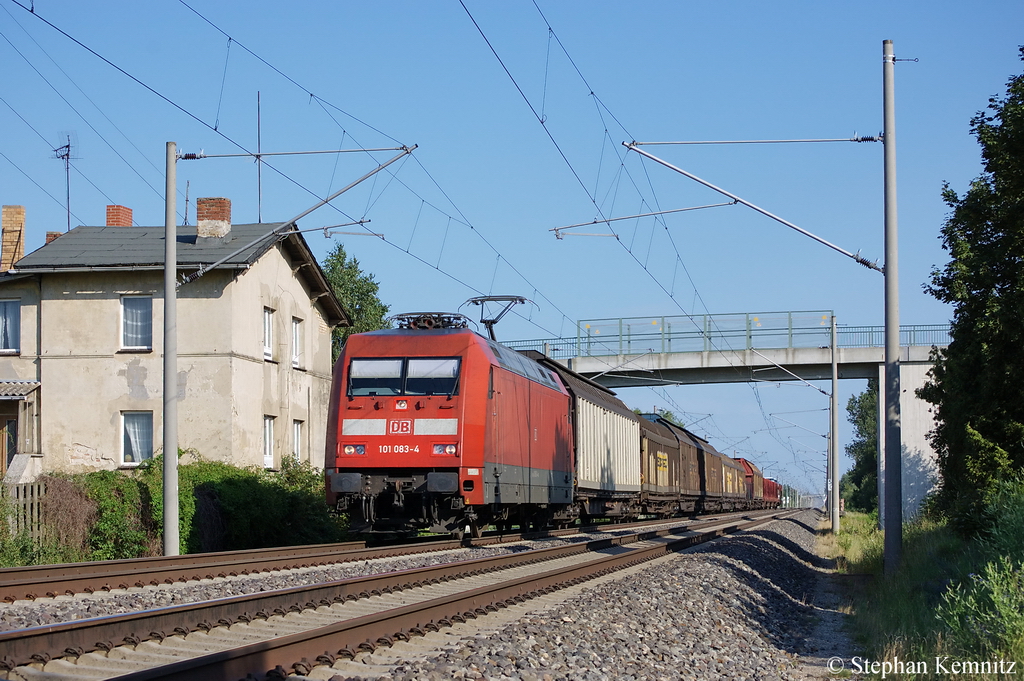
(977, 384)
(859, 485)
(357, 291)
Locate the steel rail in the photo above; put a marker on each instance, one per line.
(37, 581)
(310, 648)
(23, 646)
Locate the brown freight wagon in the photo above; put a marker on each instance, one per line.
(734, 486)
(755, 484)
(661, 470)
(690, 478)
(702, 469)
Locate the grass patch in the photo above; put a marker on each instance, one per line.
(856, 546)
(951, 598)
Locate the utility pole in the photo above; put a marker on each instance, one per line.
(170, 418)
(833, 443)
(893, 543)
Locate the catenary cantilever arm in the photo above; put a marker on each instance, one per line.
(857, 257)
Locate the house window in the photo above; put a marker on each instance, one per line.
(296, 342)
(137, 323)
(137, 436)
(297, 440)
(268, 333)
(10, 326)
(268, 441)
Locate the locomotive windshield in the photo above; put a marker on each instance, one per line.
(404, 376)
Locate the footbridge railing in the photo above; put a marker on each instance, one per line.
(723, 332)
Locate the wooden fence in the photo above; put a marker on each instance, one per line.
(25, 502)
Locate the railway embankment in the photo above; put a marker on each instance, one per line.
(755, 605)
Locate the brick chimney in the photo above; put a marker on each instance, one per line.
(213, 217)
(12, 246)
(119, 216)
(52, 236)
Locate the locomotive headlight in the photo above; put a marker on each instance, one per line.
(445, 449)
(355, 450)
(449, 449)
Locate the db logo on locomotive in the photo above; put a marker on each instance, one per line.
(400, 427)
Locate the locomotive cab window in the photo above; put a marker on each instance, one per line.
(403, 376)
(375, 377)
(432, 376)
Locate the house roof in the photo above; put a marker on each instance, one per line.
(88, 248)
(96, 247)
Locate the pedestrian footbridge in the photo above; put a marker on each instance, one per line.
(770, 346)
(730, 348)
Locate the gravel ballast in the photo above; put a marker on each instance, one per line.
(742, 607)
(46, 611)
(739, 608)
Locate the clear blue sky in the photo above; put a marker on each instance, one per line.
(471, 211)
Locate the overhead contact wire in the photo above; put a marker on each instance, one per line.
(622, 163)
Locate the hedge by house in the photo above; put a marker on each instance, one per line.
(110, 515)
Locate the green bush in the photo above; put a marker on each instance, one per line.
(223, 507)
(263, 508)
(1005, 509)
(984, 614)
(15, 549)
(109, 515)
(123, 526)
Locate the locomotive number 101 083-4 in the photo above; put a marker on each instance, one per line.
(399, 449)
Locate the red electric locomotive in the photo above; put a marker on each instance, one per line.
(433, 426)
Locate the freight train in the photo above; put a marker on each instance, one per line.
(435, 427)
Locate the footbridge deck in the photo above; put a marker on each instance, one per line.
(729, 348)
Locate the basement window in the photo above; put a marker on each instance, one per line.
(137, 439)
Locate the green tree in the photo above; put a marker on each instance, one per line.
(357, 291)
(977, 383)
(665, 414)
(859, 485)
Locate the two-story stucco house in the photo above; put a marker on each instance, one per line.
(81, 345)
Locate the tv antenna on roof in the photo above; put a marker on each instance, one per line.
(489, 323)
(63, 153)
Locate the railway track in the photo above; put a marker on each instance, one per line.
(48, 581)
(277, 633)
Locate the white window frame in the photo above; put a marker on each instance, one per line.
(268, 333)
(124, 324)
(10, 326)
(297, 439)
(142, 443)
(296, 342)
(268, 441)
